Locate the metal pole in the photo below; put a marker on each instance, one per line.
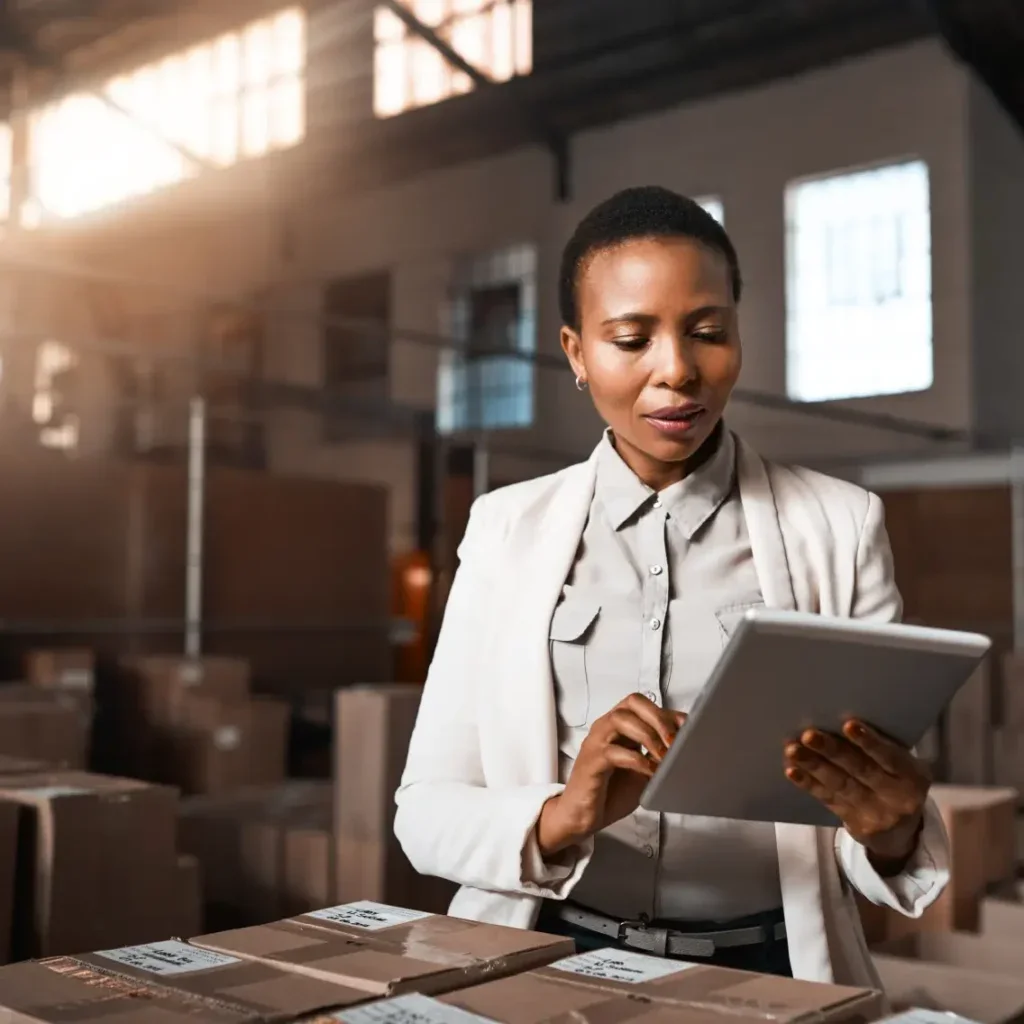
(1017, 541)
(194, 539)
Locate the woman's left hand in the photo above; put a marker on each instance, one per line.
(876, 787)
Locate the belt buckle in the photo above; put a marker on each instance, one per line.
(657, 943)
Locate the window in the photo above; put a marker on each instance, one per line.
(53, 406)
(487, 382)
(859, 309)
(6, 167)
(714, 206)
(494, 36)
(229, 99)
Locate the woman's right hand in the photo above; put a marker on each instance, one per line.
(610, 772)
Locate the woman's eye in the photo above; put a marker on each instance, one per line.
(630, 344)
(711, 334)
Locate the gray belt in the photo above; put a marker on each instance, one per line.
(667, 941)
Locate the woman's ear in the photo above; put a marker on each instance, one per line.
(573, 349)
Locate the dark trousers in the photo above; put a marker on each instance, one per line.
(771, 957)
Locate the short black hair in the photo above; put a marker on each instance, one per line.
(645, 212)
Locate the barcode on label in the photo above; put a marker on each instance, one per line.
(621, 965)
(412, 1009)
(368, 915)
(168, 957)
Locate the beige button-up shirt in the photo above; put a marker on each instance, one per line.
(659, 583)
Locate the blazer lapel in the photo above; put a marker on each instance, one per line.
(762, 517)
(540, 553)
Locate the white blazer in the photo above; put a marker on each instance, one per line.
(483, 757)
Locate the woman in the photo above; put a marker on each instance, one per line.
(587, 613)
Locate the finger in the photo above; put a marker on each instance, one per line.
(842, 786)
(848, 757)
(624, 724)
(811, 785)
(662, 721)
(628, 760)
(890, 756)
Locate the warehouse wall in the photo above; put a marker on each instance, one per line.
(743, 147)
(996, 175)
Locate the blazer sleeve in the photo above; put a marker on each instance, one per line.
(449, 822)
(927, 874)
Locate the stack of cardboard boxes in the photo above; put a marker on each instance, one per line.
(367, 963)
(193, 723)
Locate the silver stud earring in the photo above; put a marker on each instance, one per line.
(581, 384)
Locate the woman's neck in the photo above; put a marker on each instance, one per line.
(658, 475)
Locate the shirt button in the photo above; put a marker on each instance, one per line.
(651, 696)
(657, 502)
(648, 851)
(656, 570)
(655, 623)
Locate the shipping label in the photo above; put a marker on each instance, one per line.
(169, 957)
(368, 915)
(621, 965)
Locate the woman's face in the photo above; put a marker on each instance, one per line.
(658, 346)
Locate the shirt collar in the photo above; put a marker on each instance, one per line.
(690, 503)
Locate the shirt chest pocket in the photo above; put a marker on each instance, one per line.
(571, 628)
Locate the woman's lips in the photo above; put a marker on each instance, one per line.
(676, 421)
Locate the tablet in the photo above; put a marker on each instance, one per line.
(784, 672)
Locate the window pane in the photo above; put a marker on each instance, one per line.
(257, 44)
(256, 123)
(289, 30)
(495, 36)
(86, 154)
(859, 317)
(287, 113)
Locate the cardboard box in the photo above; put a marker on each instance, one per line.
(52, 727)
(372, 729)
(246, 990)
(976, 995)
(150, 695)
(611, 985)
(960, 949)
(388, 950)
(96, 854)
(188, 897)
(308, 882)
(1002, 917)
(219, 746)
(63, 668)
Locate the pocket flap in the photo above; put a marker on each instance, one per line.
(730, 618)
(572, 619)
